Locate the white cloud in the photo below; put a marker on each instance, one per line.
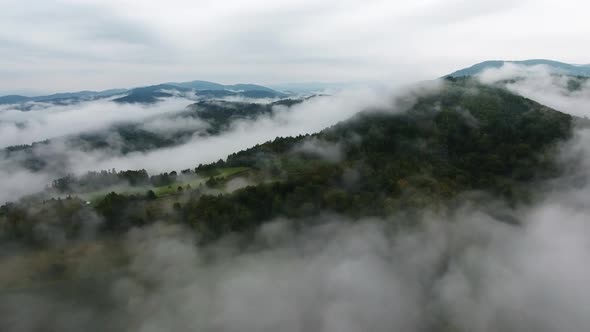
(19, 183)
(308, 117)
(326, 150)
(103, 44)
(25, 127)
(539, 84)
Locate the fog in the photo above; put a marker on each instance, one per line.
(467, 271)
(311, 116)
(323, 149)
(456, 270)
(25, 127)
(540, 84)
(460, 269)
(18, 183)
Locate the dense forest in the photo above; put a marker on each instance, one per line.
(423, 152)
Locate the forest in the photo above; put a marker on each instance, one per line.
(465, 138)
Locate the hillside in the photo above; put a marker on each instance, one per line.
(466, 137)
(65, 97)
(555, 67)
(151, 94)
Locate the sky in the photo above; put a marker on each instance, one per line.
(68, 45)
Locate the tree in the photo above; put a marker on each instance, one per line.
(151, 195)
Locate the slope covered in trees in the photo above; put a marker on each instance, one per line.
(424, 151)
(554, 66)
(466, 137)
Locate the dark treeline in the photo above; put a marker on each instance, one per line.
(219, 114)
(467, 137)
(93, 181)
(97, 180)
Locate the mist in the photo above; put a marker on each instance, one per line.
(311, 116)
(460, 269)
(457, 270)
(541, 85)
(25, 127)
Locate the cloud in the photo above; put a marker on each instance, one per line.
(25, 127)
(171, 126)
(326, 150)
(309, 117)
(465, 270)
(20, 127)
(19, 183)
(461, 269)
(92, 44)
(539, 84)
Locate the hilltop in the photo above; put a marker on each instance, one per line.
(555, 67)
(152, 93)
(421, 152)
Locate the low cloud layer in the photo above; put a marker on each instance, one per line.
(77, 45)
(460, 271)
(51, 121)
(310, 116)
(326, 150)
(455, 270)
(539, 84)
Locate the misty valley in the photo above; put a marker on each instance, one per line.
(452, 204)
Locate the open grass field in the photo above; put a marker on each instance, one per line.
(224, 173)
(162, 191)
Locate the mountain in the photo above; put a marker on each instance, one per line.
(199, 85)
(152, 93)
(248, 87)
(307, 88)
(61, 97)
(555, 66)
(206, 85)
(414, 164)
(14, 99)
(445, 144)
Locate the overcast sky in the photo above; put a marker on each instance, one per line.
(51, 46)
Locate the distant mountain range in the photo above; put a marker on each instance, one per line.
(151, 94)
(86, 95)
(212, 90)
(555, 66)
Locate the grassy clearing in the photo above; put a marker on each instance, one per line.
(223, 173)
(162, 191)
(231, 171)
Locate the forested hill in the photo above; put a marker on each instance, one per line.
(464, 137)
(554, 67)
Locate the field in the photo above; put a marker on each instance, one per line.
(162, 191)
(223, 173)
